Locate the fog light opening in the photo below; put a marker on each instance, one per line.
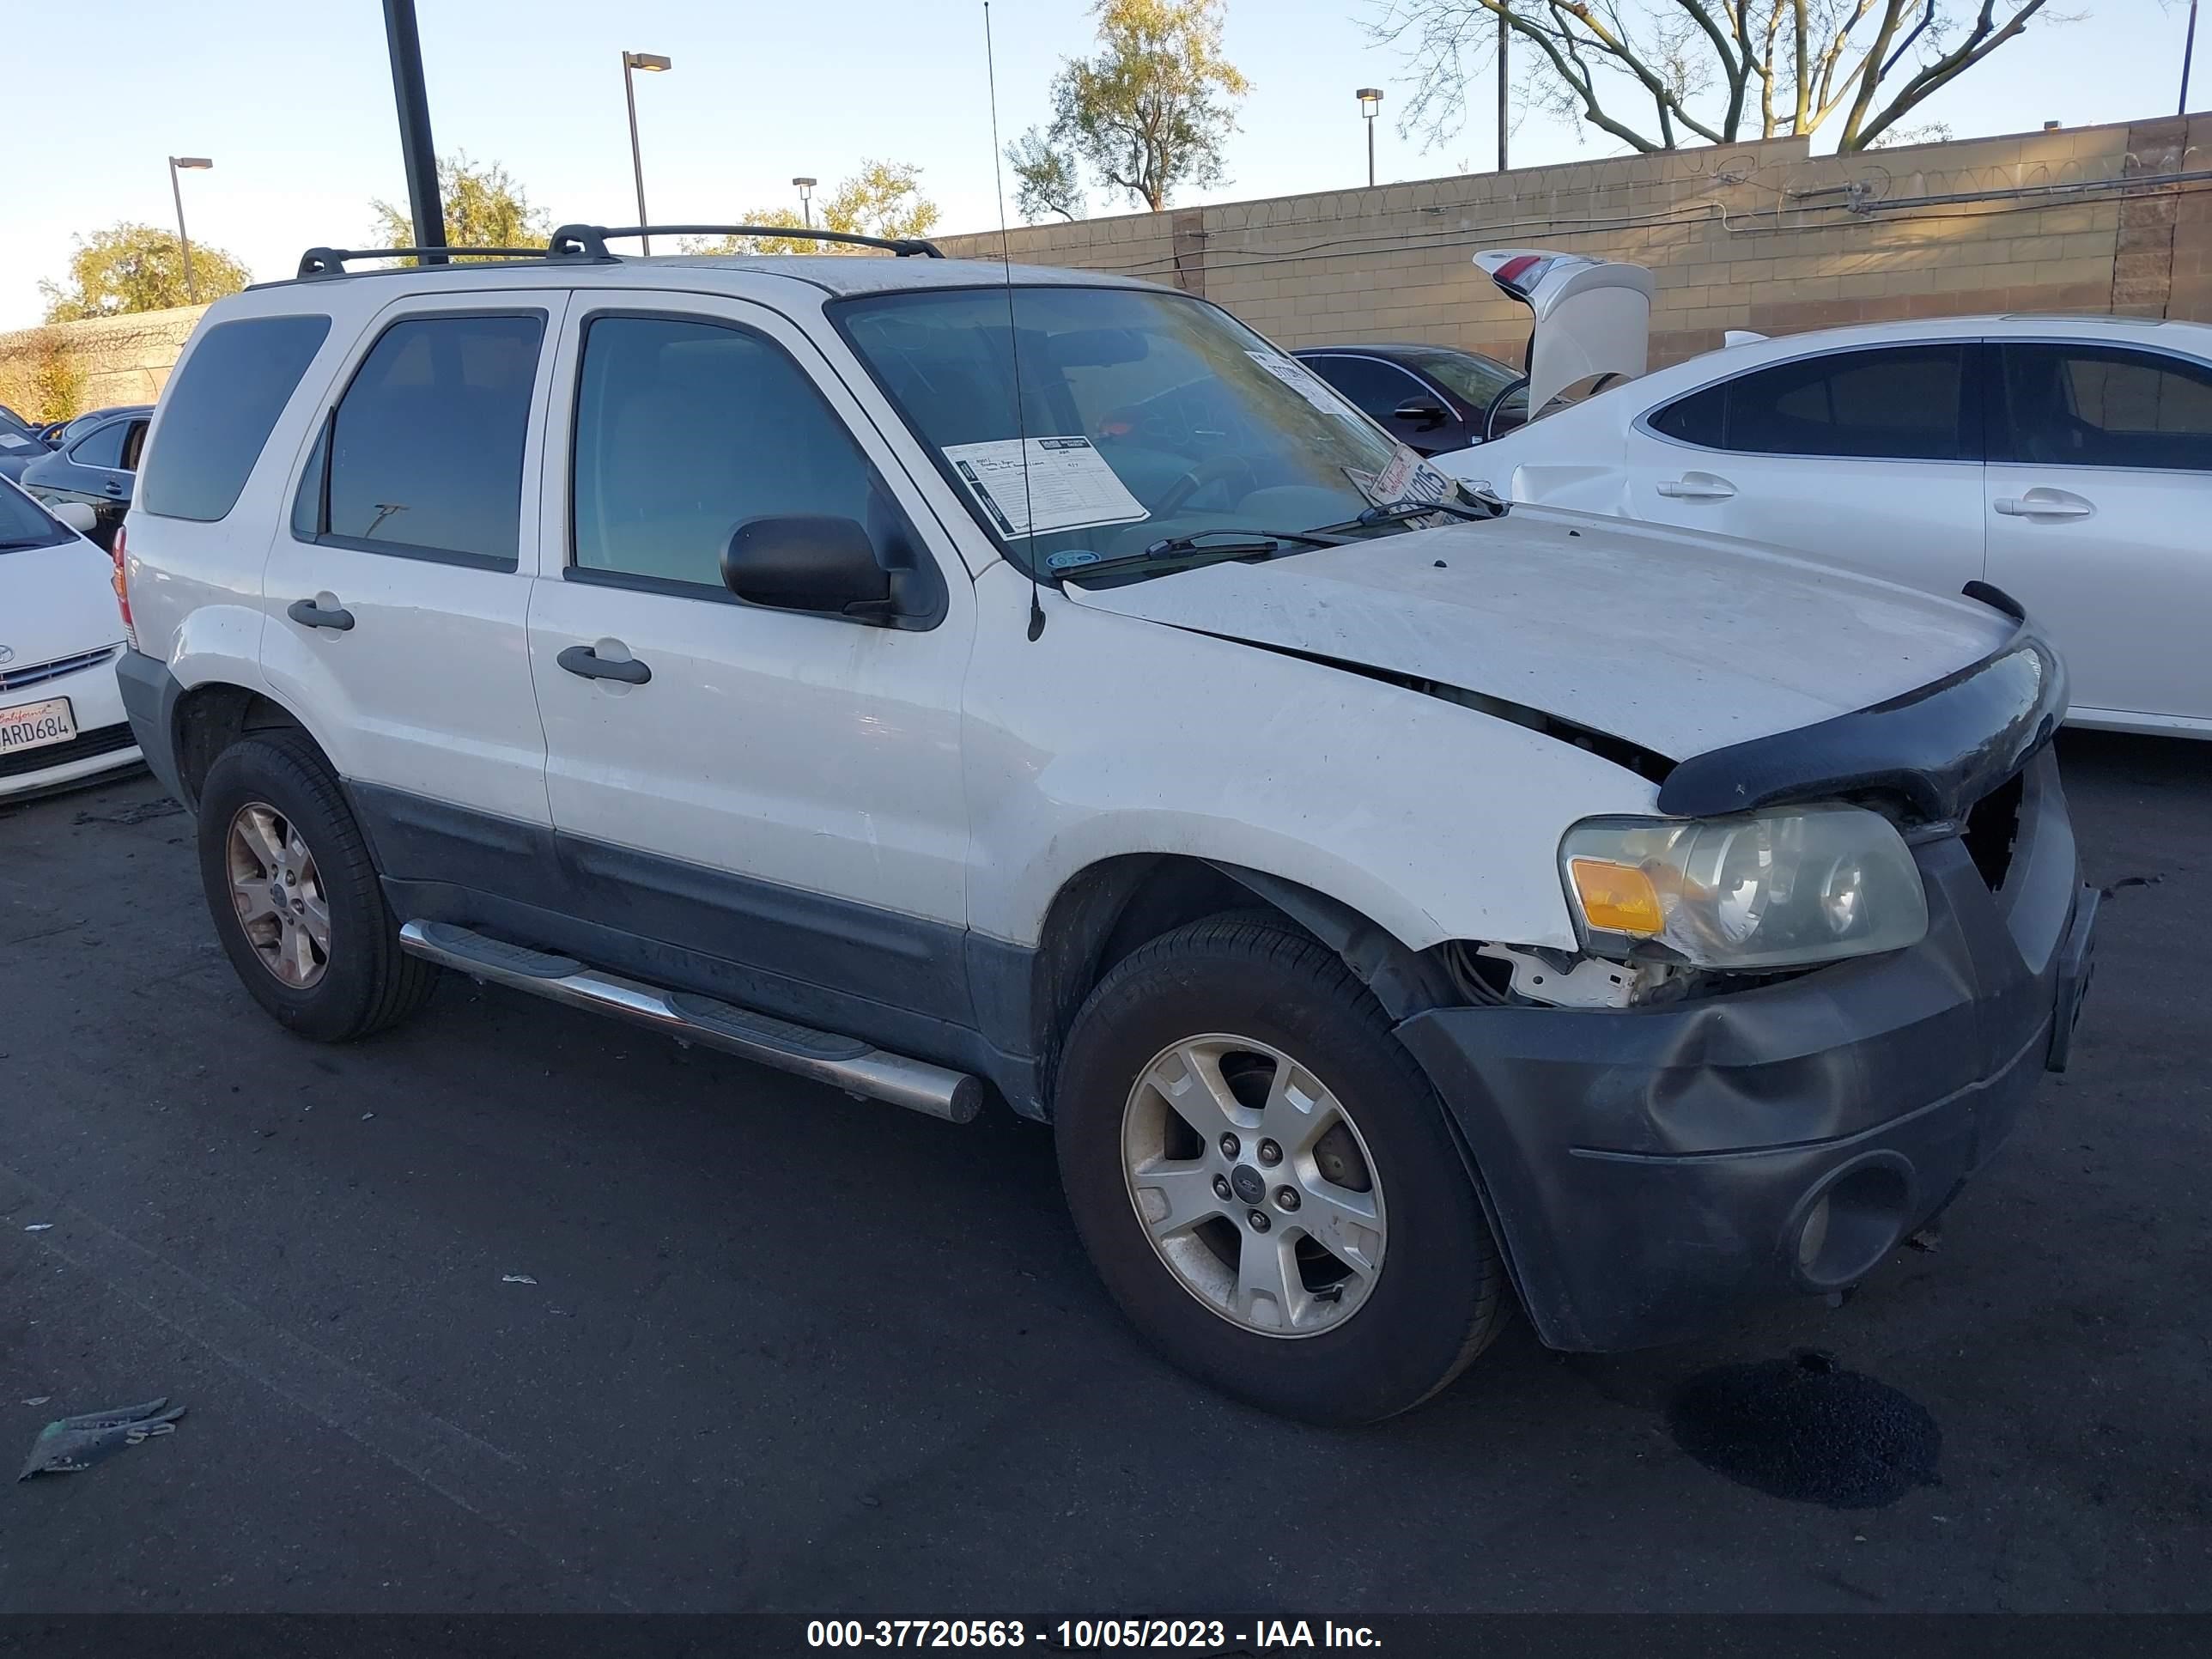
(1851, 1225)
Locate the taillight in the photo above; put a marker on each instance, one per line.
(121, 582)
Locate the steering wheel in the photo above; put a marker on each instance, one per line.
(1205, 473)
(1488, 425)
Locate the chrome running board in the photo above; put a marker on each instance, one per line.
(842, 1062)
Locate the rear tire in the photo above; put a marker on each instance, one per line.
(1374, 1280)
(294, 894)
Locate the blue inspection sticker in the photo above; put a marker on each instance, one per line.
(1073, 560)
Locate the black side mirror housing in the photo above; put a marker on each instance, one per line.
(1426, 413)
(824, 565)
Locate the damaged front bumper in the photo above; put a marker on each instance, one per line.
(1652, 1169)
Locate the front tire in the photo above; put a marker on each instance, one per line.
(294, 894)
(1265, 1179)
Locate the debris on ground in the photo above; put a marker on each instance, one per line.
(38, 1399)
(517, 1279)
(39, 1227)
(69, 1445)
(142, 811)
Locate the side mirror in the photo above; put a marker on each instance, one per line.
(1425, 414)
(77, 515)
(808, 563)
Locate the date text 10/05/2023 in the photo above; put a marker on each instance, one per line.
(1073, 1635)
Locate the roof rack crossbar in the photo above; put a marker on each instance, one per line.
(332, 261)
(589, 241)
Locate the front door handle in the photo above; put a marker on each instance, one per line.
(586, 660)
(113, 487)
(324, 611)
(2043, 504)
(1697, 487)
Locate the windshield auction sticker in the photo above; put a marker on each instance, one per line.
(1302, 380)
(1065, 484)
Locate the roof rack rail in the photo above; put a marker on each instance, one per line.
(332, 261)
(589, 241)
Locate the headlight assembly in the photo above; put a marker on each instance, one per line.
(1765, 889)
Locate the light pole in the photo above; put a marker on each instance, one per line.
(806, 200)
(2188, 51)
(177, 194)
(1370, 102)
(653, 62)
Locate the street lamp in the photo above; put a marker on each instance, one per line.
(1370, 105)
(653, 62)
(806, 199)
(177, 194)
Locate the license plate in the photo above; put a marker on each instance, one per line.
(35, 725)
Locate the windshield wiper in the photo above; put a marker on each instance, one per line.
(1399, 512)
(1253, 544)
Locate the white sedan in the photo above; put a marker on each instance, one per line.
(2067, 460)
(61, 712)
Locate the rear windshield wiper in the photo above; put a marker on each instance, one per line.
(1253, 543)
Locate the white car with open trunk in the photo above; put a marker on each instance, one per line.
(1402, 907)
(2065, 459)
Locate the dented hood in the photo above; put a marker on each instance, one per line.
(1679, 643)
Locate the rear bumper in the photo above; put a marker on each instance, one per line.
(1651, 1171)
(149, 700)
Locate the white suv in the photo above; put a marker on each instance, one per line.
(1400, 907)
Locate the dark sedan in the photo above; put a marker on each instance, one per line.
(97, 465)
(1434, 398)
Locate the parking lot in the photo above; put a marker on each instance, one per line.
(519, 1310)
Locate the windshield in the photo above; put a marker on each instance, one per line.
(1473, 380)
(24, 523)
(1148, 416)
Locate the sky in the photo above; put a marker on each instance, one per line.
(292, 100)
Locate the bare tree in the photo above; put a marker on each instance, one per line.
(1659, 74)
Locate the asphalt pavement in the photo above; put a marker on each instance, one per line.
(518, 1310)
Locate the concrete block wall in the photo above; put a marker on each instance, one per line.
(1762, 236)
(113, 360)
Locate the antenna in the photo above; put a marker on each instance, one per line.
(1013, 333)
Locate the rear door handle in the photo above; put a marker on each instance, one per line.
(2043, 504)
(586, 660)
(113, 487)
(1697, 487)
(316, 613)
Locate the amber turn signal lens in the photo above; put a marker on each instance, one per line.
(1615, 897)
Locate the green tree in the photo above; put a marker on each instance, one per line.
(883, 199)
(40, 376)
(484, 208)
(1150, 113)
(1050, 180)
(127, 268)
(1659, 74)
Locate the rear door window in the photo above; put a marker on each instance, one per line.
(423, 456)
(102, 445)
(1895, 403)
(220, 411)
(2085, 405)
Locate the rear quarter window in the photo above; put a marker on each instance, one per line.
(220, 411)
